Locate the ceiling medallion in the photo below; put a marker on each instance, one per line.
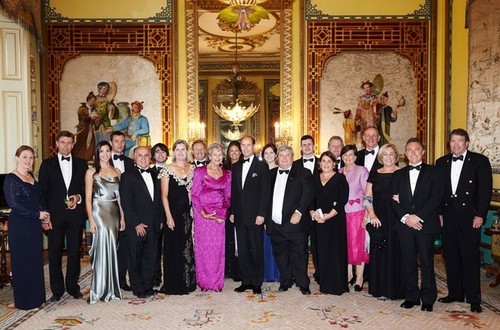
(241, 15)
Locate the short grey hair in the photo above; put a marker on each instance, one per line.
(284, 148)
(215, 146)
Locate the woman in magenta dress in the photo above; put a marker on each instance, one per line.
(356, 176)
(211, 197)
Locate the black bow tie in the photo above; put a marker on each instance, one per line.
(201, 162)
(65, 158)
(120, 157)
(369, 152)
(418, 167)
(461, 157)
(284, 171)
(308, 160)
(246, 160)
(146, 170)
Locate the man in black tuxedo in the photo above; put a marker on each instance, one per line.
(417, 191)
(288, 219)
(123, 163)
(62, 178)
(249, 205)
(467, 195)
(160, 155)
(199, 149)
(368, 157)
(141, 202)
(335, 145)
(310, 162)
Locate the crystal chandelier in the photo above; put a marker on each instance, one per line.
(236, 113)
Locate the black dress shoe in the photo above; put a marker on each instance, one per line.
(426, 307)
(243, 288)
(305, 290)
(125, 287)
(358, 288)
(283, 288)
(142, 295)
(409, 304)
(476, 307)
(448, 299)
(76, 295)
(55, 298)
(257, 290)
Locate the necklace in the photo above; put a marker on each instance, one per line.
(25, 176)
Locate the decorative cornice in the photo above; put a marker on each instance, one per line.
(164, 16)
(314, 14)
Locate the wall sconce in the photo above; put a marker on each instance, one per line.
(283, 133)
(196, 131)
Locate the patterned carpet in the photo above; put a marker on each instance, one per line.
(231, 310)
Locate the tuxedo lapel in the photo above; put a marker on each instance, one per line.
(58, 172)
(139, 177)
(420, 181)
(251, 170)
(466, 168)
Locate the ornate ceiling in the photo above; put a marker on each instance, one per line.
(260, 44)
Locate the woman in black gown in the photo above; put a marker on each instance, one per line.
(386, 266)
(178, 255)
(331, 192)
(232, 268)
(22, 193)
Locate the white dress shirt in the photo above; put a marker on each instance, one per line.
(414, 178)
(309, 165)
(244, 170)
(118, 163)
(149, 183)
(66, 169)
(370, 159)
(456, 169)
(279, 195)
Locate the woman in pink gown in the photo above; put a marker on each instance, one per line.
(356, 176)
(211, 197)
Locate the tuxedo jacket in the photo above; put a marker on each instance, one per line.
(425, 202)
(136, 201)
(299, 193)
(127, 162)
(54, 190)
(360, 160)
(473, 193)
(300, 162)
(253, 200)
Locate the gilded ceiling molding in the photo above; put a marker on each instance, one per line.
(164, 16)
(312, 13)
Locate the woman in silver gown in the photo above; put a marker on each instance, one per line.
(102, 201)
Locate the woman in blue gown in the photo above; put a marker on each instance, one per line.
(271, 270)
(22, 193)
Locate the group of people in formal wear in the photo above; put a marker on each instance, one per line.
(230, 213)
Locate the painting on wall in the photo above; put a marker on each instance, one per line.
(360, 89)
(483, 119)
(123, 101)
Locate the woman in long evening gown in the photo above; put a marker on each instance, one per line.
(330, 196)
(232, 267)
(386, 264)
(357, 254)
(102, 202)
(211, 196)
(178, 257)
(22, 194)
(271, 270)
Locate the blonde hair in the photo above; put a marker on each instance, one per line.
(383, 149)
(176, 143)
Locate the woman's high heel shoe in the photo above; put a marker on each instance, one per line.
(351, 282)
(358, 288)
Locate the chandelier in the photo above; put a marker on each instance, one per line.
(237, 113)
